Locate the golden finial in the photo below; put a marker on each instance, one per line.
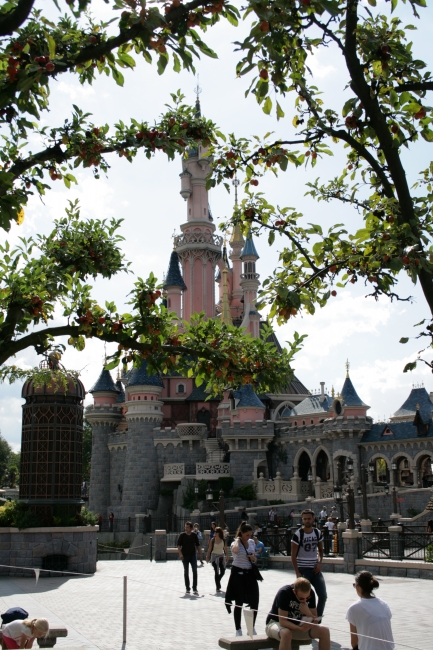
(225, 311)
(347, 369)
(333, 393)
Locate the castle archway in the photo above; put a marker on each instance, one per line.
(304, 466)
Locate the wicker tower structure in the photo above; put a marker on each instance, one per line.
(51, 452)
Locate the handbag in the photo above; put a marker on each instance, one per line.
(255, 569)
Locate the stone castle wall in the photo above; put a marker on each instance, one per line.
(28, 547)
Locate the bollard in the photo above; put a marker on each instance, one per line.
(335, 546)
(124, 607)
(151, 549)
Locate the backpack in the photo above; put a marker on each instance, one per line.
(14, 614)
(301, 537)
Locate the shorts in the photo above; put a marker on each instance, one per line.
(10, 643)
(273, 632)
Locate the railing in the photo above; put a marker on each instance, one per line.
(118, 525)
(396, 546)
(206, 470)
(176, 470)
(174, 524)
(194, 430)
(332, 543)
(280, 543)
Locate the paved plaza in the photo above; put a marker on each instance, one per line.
(160, 616)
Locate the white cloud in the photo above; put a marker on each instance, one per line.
(319, 69)
(74, 90)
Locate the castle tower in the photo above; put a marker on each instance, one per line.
(174, 285)
(250, 284)
(198, 247)
(141, 481)
(104, 416)
(237, 243)
(51, 452)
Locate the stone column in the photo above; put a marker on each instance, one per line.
(160, 546)
(296, 486)
(278, 481)
(261, 486)
(317, 488)
(366, 525)
(396, 550)
(350, 543)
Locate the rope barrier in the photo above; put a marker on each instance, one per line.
(215, 598)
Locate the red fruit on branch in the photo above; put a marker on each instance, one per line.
(420, 114)
(333, 293)
(254, 182)
(50, 66)
(394, 128)
(264, 74)
(333, 268)
(264, 26)
(406, 260)
(386, 258)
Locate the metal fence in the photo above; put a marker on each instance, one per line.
(396, 546)
(118, 525)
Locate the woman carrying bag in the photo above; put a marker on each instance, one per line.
(369, 617)
(243, 587)
(218, 555)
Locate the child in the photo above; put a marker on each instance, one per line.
(21, 634)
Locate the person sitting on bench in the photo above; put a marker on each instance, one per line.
(294, 616)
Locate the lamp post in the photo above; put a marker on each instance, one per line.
(364, 491)
(339, 501)
(394, 488)
(310, 479)
(221, 508)
(196, 496)
(209, 494)
(351, 507)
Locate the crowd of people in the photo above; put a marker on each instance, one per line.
(297, 610)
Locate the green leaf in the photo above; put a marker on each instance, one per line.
(176, 63)
(404, 339)
(271, 237)
(117, 76)
(409, 366)
(51, 46)
(267, 106)
(280, 112)
(372, 3)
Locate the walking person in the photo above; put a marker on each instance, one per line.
(21, 634)
(369, 616)
(111, 522)
(294, 617)
(212, 530)
(199, 534)
(307, 556)
(271, 516)
(218, 555)
(188, 547)
(243, 587)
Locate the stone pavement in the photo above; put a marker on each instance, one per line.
(161, 617)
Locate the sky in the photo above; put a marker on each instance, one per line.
(146, 195)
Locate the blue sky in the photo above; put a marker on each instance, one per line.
(146, 195)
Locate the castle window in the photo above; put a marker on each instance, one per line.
(151, 397)
(295, 423)
(312, 421)
(303, 421)
(139, 397)
(145, 397)
(169, 303)
(181, 389)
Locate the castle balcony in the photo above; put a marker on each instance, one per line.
(191, 431)
(203, 472)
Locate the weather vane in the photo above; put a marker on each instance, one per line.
(347, 367)
(198, 89)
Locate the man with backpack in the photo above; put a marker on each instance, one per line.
(307, 556)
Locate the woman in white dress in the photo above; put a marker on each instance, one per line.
(369, 617)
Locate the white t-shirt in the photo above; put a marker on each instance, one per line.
(329, 525)
(240, 559)
(15, 630)
(307, 554)
(372, 617)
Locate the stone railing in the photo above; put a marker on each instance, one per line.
(293, 490)
(198, 238)
(174, 472)
(326, 491)
(211, 470)
(191, 430)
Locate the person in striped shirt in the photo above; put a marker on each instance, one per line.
(307, 556)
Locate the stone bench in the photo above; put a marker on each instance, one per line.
(50, 641)
(260, 642)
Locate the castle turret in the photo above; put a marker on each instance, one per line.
(237, 243)
(250, 284)
(104, 417)
(198, 247)
(174, 285)
(352, 403)
(141, 482)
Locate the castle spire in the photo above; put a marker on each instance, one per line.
(225, 311)
(347, 369)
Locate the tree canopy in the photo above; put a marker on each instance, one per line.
(386, 112)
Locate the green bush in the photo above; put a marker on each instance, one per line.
(18, 515)
(245, 492)
(88, 518)
(276, 502)
(225, 483)
(429, 553)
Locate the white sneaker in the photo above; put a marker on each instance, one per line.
(254, 631)
(239, 632)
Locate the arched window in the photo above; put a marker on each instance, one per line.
(181, 389)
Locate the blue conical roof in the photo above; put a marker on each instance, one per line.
(349, 394)
(174, 276)
(104, 384)
(418, 400)
(249, 248)
(247, 397)
(139, 377)
(121, 396)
